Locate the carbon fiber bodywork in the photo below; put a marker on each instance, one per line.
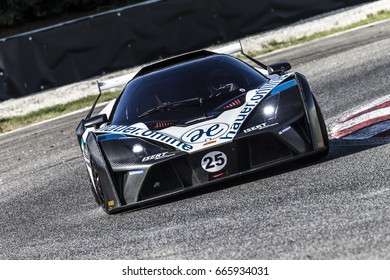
(130, 170)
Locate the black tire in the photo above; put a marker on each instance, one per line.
(97, 199)
(324, 132)
(97, 192)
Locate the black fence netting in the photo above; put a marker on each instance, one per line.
(136, 34)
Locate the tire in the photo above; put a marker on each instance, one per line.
(95, 195)
(323, 130)
(325, 152)
(97, 192)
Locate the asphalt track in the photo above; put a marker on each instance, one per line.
(337, 208)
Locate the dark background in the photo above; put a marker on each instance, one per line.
(17, 16)
(136, 34)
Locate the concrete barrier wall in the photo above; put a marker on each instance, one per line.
(137, 34)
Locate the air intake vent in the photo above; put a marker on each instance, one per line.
(233, 104)
(156, 125)
(266, 148)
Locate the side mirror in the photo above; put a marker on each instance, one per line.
(79, 132)
(93, 121)
(80, 129)
(278, 68)
(96, 120)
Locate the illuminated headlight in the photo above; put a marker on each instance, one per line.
(269, 110)
(137, 148)
(269, 107)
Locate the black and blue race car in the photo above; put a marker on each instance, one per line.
(194, 120)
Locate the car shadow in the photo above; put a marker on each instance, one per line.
(338, 148)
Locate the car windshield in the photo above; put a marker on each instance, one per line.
(210, 79)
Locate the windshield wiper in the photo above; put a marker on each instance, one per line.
(172, 105)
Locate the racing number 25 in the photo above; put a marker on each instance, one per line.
(214, 161)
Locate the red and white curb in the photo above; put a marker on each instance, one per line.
(364, 124)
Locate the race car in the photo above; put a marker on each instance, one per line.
(194, 120)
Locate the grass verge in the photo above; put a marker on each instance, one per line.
(275, 45)
(8, 124)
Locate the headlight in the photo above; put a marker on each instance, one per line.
(269, 107)
(137, 148)
(277, 108)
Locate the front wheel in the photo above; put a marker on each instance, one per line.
(324, 131)
(95, 195)
(97, 190)
(325, 137)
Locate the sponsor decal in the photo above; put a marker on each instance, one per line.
(260, 94)
(259, 127)
(214, 161)
(136, 172)
(146, 133)
(284, 130)
(205, 133)
(158, 156)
